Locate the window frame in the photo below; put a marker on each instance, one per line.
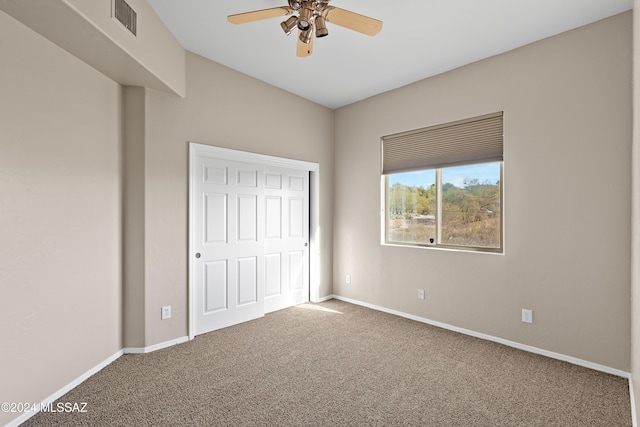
(437, 243)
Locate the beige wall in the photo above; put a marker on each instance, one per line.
(60, 209)
(567, 132)
(227, 109)
(154, 47)
(133, 299)
(635, 224)
(153, 58)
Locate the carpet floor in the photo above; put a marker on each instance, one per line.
(339, 364)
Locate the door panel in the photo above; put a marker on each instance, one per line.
(296, 183)
(273, 275)
(296, 270)
(215, 218)
(296, 217)
(247, 280)
(215, 174)
(247, 218)
(273, 212)
(215, 285)
(247, 176)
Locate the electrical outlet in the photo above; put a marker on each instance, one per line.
(527, 315)
(348, 279)
(420, 293)
(166, 312)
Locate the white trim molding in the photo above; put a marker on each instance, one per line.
(530, 349)
(327, 298)
(73, 384)
(248, 157)
(159, 346)
(64, 390)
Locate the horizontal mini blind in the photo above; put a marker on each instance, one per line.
(474, 140)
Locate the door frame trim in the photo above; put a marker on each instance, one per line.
(197, 149)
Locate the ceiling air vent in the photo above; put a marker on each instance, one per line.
(126, 15)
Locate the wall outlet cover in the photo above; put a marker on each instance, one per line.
(166, 312)
(527, 315)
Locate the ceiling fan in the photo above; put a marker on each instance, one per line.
(310, 18)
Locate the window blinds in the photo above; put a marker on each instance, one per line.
(474, 140)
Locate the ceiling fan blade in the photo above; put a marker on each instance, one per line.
(257, 15)
(304, 49)
(353, 21)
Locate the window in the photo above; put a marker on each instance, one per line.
(443, 185)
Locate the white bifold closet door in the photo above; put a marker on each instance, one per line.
(251, 237)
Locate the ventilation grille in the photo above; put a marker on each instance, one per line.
(126, 15)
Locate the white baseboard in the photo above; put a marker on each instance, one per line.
(73, 384)
(531, 349)
(327, 298)
(160, 346)
(55, 396)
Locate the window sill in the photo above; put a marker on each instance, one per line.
(445, 248)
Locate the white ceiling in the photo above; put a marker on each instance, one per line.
(419, 39)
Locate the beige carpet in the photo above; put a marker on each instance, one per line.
(337, 364)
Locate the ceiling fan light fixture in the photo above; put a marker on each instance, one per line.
(304, 21)
(321, 27)
(303, 25)
(295, 4)
(311, 18)
(305, 36)
(289, 24)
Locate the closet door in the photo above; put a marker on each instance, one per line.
(250, 241)
(286, 239)
(229, 259)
